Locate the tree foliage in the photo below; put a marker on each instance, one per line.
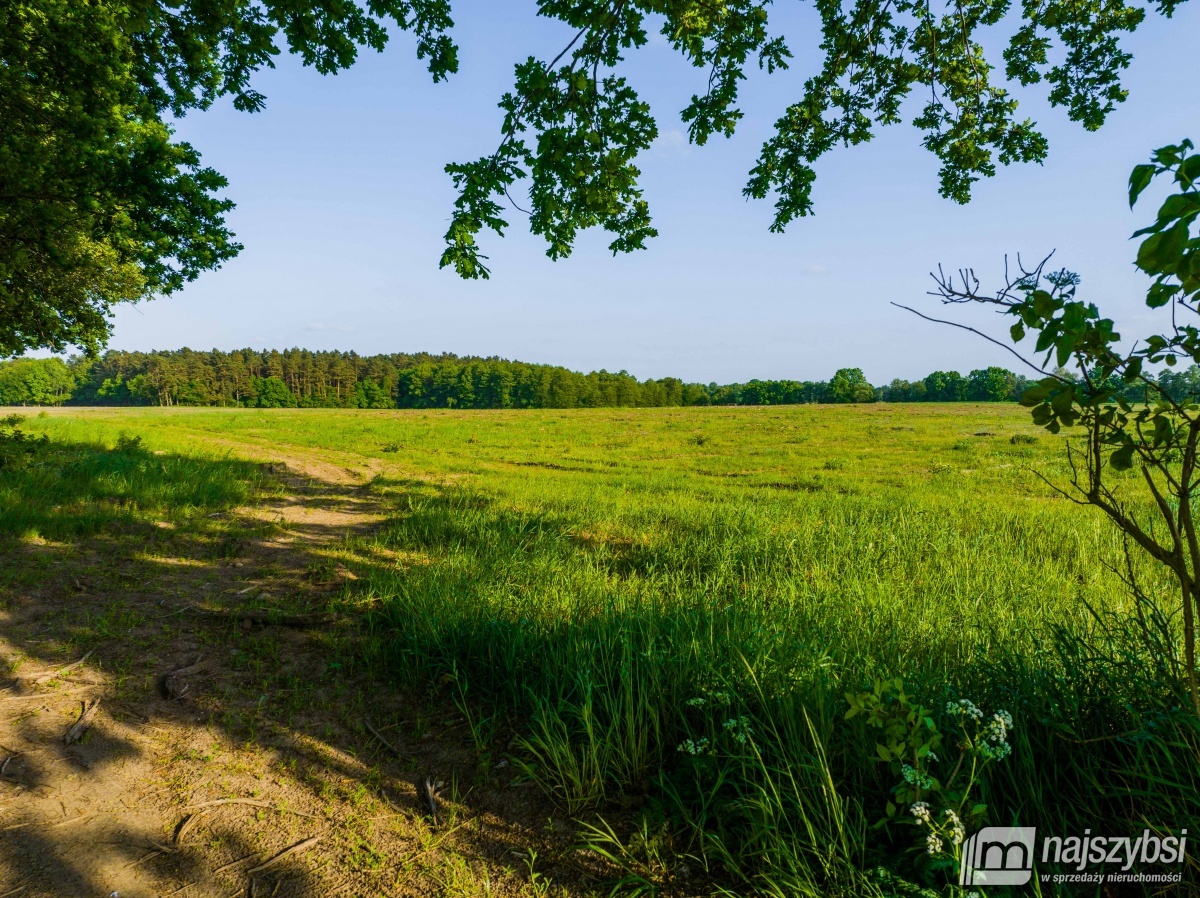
(850, 385)
(35, 382)
(298, 377)
(98, 203)
(573, 126)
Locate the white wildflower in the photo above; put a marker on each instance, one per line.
(997, 752)
(920, 810)
(956, 830)
(933, 844)
(915, 777)
(739, 728)
(964, 708)
(997, 728)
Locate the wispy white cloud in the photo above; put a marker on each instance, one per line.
(672, 142)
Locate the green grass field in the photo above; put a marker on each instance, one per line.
(671, 606)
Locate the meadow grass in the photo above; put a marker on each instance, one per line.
(671, 606)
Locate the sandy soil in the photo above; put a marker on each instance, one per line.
(264, 771)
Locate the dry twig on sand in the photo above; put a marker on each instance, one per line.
(173, 685)
(186, 826)
(283, 855)
(62, 671)
(374, 732)
(75, 733)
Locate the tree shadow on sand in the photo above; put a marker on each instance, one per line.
(145, 563)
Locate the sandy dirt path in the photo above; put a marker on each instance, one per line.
(261, 768)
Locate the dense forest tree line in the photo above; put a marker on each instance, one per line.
(299, 378)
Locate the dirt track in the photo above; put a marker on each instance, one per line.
(199, 787)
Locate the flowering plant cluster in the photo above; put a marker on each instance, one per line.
(715, 709)
(989, 739)
(936, 793)
(710, 699)
(695, 747)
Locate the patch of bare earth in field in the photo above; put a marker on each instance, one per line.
(227, 746)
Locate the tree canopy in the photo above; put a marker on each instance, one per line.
(298, 377)
(574, 125)
(99, 204)
(303, 378)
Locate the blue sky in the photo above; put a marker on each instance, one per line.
(342, 204)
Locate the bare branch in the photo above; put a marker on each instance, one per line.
(980, 333)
